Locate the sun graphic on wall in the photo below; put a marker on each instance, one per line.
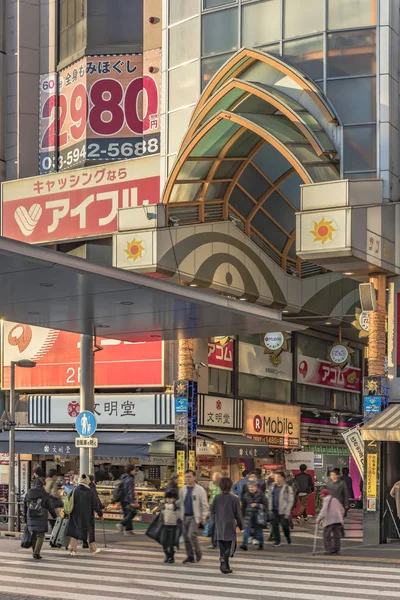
(323, 230)
(134, 249)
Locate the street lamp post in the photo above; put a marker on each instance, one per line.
(27, 364)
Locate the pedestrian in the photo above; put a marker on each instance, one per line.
(305, 486)
(280, 502)
(239, 485)
(127, 500)
(227, 516)
(338, 489)
(38, 473)
(170, 516)
(348, 481)
(254, 509)
(290, 480)
(172, 485)
(193, 511)
(37, 506)
(81, 520)
(52, 487)
(214, 491)
(102, 474)
(331, 514)
(251, 477)
(139, 476)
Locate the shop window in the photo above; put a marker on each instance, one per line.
(184, 40)
(342, 92)
(220, 32)
(114, 27)
(306, 54)
(219, 381)
(357, 13)
(261, 23)
(264, 388)
(301, 18)
(352, 53)
(72, 28)
(179, 10)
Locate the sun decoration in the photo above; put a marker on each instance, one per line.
(361, 322)
(135, 249)
(323, 230)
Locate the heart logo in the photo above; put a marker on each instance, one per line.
(28, 219)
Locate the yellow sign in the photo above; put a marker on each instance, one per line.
(372, 475)
(192, 460)
(275, 424)
(180, 467)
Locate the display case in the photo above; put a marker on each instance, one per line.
(147, 498)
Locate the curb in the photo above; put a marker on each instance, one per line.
(11, 535)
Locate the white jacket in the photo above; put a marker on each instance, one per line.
(200, 502)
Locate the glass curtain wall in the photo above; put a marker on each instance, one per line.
(332, 41)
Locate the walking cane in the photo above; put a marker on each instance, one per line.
(104, 534)
(315, 539)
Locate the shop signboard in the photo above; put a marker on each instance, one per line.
(180, 467)
(108, 107)
(220, 356)
(355, 444)
(207, 447)
(225, 413)
(372, 481)
(278, 425)
(121, 409)
(192, 460)
(311, 371)
(318, 461)
(254, 361)
(274, 341)
(293, 460)
(83, 203)
(57, 356)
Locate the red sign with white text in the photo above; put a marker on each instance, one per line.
(220, 356)
(77, 204)
(321, 373)
(56, 353)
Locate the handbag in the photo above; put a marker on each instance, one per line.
(154, 529)
(261, 517)
(26, 541)
(56, 501)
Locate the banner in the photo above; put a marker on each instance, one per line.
(253, 360)
(220, 357)
(355, 444)
(108, 109)
(57, 357)
(79, 204)
(312, 371)
(278, 425)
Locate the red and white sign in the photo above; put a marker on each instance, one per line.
(77, 204)
(56, 353)
(321, 373)
(220, 357)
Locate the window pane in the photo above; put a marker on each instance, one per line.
(177, 124)
(209, 66)
(303, 17)
(261, 23)
(274, 49)
(184, 42)
(307, 55)
(359, 148)
(213, 3)
(179, 10)
(108, 32)
(351, 53)
(220, 32)
(343, 92)
(357, 13)
(184, 85)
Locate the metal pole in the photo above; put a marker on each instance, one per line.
(87, 393)
(11, 453)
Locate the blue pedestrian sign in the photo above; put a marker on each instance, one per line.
(86, 423)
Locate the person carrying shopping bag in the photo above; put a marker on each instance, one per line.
(254, 508)
(37, 507)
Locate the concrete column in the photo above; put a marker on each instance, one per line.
(86, 394)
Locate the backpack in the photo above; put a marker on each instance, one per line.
(69, 503)
(36, 508)
(118, 495)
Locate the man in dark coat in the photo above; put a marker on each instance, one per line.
(128, 500)
(226, 513)
(305, 487)
(253, 500)
(81, 519)
(36, 507)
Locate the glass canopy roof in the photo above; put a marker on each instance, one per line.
(260, 129)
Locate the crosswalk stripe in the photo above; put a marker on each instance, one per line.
(135, 578)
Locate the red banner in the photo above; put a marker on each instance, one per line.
(320, 373)
(220, 356)
(77, 204)
(56, 353)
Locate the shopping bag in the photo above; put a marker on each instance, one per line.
(154, 529)
(26, 541)
(262, 517)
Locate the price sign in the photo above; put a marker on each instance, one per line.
(108, 109)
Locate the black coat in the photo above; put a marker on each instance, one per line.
(81, 520)
(172, 486)
(257, 498)
(38, 523)
(93, 487)
(227, 515)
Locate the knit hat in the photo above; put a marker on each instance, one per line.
(84, 480)
(324, 493)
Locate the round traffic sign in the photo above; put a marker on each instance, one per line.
(86, 423)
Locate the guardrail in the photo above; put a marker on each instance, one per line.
(19, 518)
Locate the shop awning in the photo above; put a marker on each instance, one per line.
(130, 444)
(384, 427)
(239, 446)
